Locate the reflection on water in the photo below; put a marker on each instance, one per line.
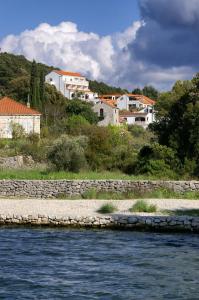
(88, 264)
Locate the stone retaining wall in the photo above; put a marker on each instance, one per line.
(54, 188)
(155, 223)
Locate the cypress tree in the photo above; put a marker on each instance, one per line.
(42, 88)
(34, 86)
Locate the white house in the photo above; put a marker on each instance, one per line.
(71, 85)
(11, 112)
(107, 112)
(133, 109)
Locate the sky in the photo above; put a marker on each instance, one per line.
(127, 43)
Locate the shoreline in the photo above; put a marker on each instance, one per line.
(83, 214)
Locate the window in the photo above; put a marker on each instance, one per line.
(101, 113)
(139, 119)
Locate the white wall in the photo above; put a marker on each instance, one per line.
(29, 123)
(111, 115)
(69, 85)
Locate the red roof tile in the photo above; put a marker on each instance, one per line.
(131, 113)
(112, 103)
(9, 107)
(65, 73)
(142, 98)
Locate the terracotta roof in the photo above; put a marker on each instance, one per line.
(109, 95)
(60, 72)
(142, 98)
(9, 107)
(112, 103)
(131, 113)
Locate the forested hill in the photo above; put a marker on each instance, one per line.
(102, 88)
(15, 71)
(15, 74)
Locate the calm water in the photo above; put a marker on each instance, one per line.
(86, 264)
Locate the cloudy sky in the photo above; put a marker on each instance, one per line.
(127, 43)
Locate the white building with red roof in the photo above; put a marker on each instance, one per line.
(133, 109)
(11, 112)
(71, 85)
(107, 112)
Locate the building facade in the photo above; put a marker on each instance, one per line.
(13, 112)
(133, 109)
(108, 114)
(71, 85)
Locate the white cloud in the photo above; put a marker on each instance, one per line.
(107, 58)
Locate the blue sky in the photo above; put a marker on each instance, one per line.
(100, 16)
(127, 43)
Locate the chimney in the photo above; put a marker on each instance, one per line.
(28, 102)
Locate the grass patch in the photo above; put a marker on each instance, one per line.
(183, 212)
(41, 174)
(106, 195)
(107, 208)
(63, 196)
(161, 193)
(143, 206)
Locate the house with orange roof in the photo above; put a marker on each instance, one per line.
(107, 112)
(13, 112)
(133, 109)
(71, 85)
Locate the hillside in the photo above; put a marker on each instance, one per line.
(15, 75)
(15, 71)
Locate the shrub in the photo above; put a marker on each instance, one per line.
(143, 206)
(18, 132)
(79, 107)
(136, 130)
(76, 125)
(68, 153)
(33, 138)
(107, 208)
(156, 160)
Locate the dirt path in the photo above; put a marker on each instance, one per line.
(72, 208)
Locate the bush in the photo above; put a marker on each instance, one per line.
(68, 153)
(143, 206)
(156, 160)
(136, 130)
(79, 107)
(76, 125)
(18, 132)
(107, 208)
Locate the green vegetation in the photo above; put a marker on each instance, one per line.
(108, 195)
(68, 153)
(143, 206)
(71, 141)
(103, 89)
(107, 208)
(148, 91)
(183, 212)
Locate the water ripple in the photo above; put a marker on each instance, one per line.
(96, 264)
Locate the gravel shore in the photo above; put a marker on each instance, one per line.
(73, 208)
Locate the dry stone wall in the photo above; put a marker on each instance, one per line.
(54, 188)
(125, 222)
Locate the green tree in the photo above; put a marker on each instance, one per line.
(150, 92)
(167, 99)
(179, 129)
(42, 87)
(34, 86)
(137, 91)
(68, 153)
(79, 107)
